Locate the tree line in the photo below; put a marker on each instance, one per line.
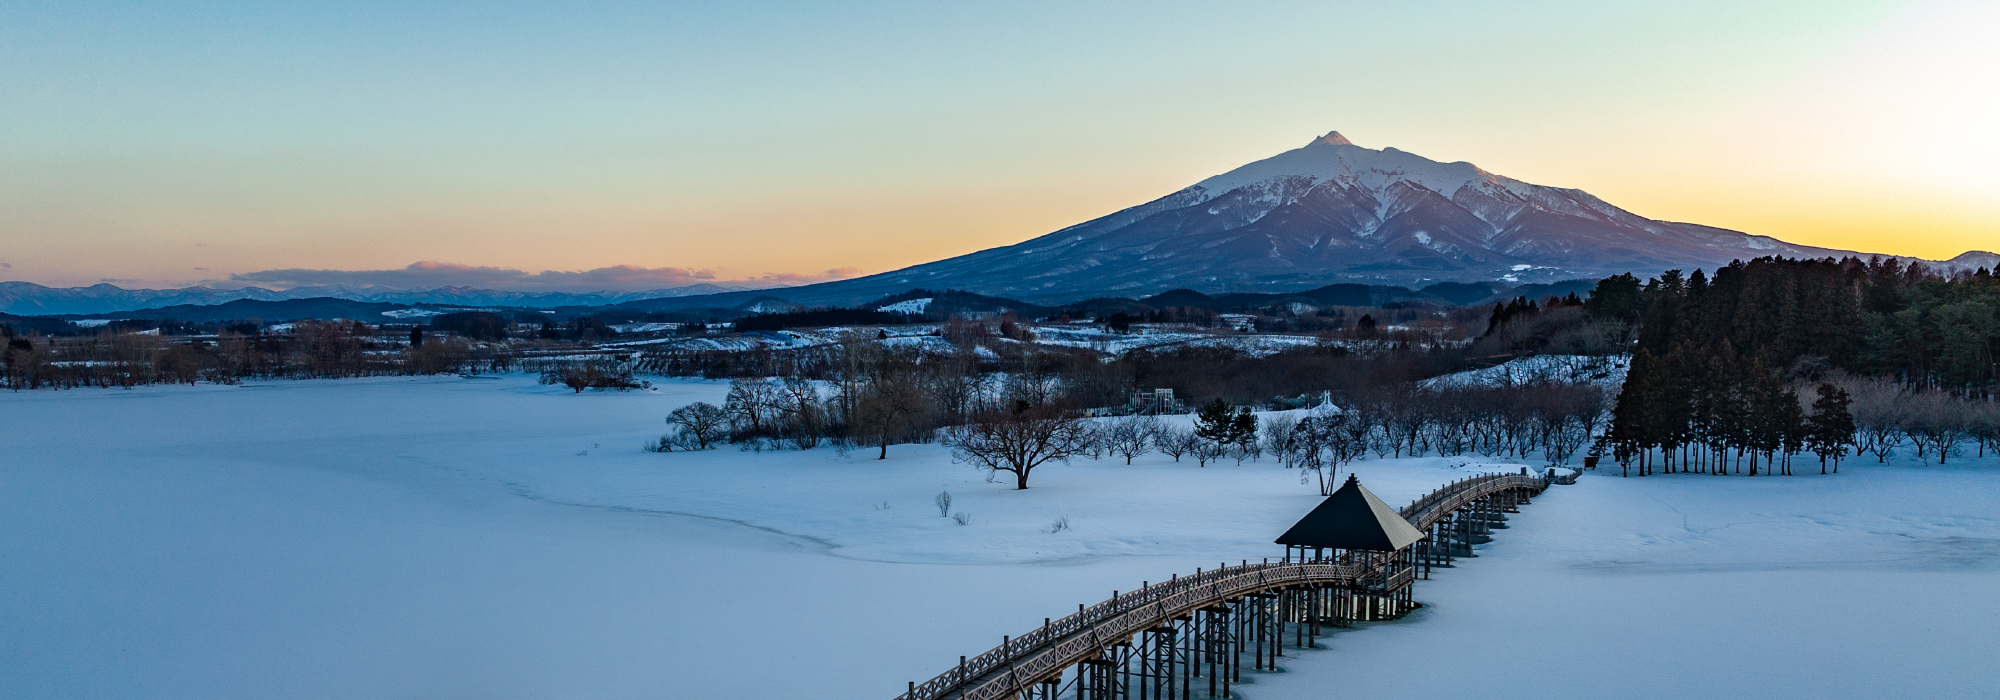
(874, 396)
(311, 349)
(1775, 358)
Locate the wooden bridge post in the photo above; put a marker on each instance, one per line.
(1239, 611)
(1180, 666)
(1315, 599)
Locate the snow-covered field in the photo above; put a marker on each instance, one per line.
(1158, 339)
(492, 538)
(1607, 371)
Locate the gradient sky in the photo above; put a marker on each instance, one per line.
(160, 144)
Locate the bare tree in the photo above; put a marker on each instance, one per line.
(1936, 422)
(1019, 441)
(1879, 407)
(1984, 426)
(1281, 437)
(1036, 383)
(891, 406)
(701, 422)
(854, 352)
(1131, 436)
(1095, 447)
(1307, 448)
(1174, 441)
(803, 416)
(1328, 440)
(1206, 451)
(1563, 438)
(952, 384)
(750, 402)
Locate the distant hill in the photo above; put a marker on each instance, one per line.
(1329, 295)
(324, 308)
(1328, 215)
(938, 305)
(1329, 212)
(1464, 293)
(1580, 288)
(1480, 293)
(1332, 212)
(29, 299)
(45, 325)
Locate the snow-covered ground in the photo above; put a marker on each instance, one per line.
(1252, 344)
(1096, 338)
(1607, 371)
(764, 340)
(1067, 335)
(907, 306)
(492, 538)
(645, 327)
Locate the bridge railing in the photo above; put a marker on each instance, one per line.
(1121, 617)
(1076, 637)
(1455, 495)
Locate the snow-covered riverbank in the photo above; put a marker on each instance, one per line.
(491, 538)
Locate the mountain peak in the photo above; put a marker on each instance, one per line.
(1332, 138)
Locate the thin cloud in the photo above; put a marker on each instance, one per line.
(791, 279)
(432, 274)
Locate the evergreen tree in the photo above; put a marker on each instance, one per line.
(1616, 298)
(1717, 354)
(1831, 428)
(1217, 423)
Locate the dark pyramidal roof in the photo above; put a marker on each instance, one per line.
(1352, 518)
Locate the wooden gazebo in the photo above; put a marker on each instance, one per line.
(1352, 519)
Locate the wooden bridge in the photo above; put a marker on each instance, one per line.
(1190, 636)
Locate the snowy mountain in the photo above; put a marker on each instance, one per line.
(29, 299)
(1335, 211)
(1328, 212)
(1970, 261)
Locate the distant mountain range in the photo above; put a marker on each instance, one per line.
(28, 299)
(1332, 211)
(1329, 212)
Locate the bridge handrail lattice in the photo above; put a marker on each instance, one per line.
(1080, 635)
(1076, 637)
(1433, 507)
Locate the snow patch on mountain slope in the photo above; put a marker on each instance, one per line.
(412, 313)
(1607, 371)
(908, 306)
(1376, 171)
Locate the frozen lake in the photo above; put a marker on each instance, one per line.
(491, 538)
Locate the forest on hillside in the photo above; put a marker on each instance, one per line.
(1773, 357)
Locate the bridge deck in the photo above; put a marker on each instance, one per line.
(1007, 670)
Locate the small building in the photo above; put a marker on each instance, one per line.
(1354, 528)
(1322, 400)
(1352, 519)
(1157, 401)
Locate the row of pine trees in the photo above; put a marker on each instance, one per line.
(1746, 371)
